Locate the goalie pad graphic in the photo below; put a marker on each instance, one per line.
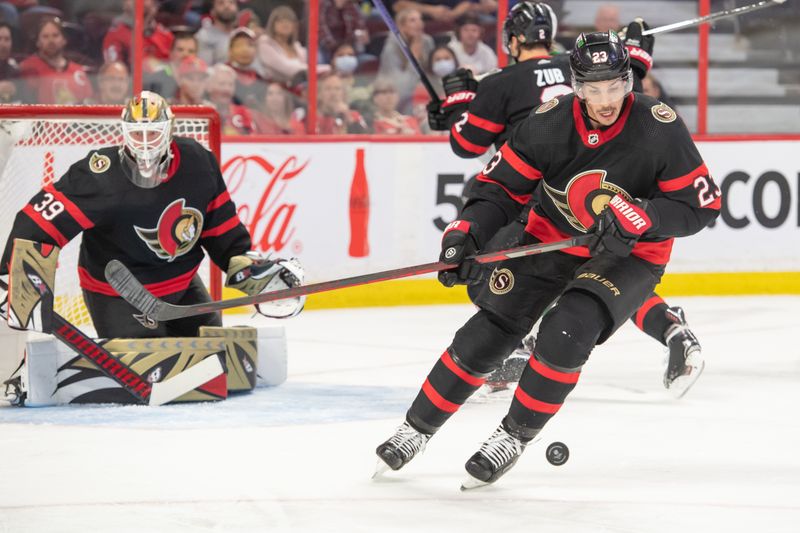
(241, 354)
(32, 274)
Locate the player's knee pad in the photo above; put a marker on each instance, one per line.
(485, 340)
(570, 330)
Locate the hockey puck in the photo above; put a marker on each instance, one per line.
(557, 453)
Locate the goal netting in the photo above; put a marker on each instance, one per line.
(37, 146)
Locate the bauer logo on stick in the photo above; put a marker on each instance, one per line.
(502, 281)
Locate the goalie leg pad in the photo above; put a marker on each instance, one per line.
(241, 354)
(32, 274)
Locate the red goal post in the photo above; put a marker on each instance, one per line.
(38, 143)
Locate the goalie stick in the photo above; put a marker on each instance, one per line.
(147, 393)
(727, 13)
(155, 310)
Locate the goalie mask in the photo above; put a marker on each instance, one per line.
(147, 123)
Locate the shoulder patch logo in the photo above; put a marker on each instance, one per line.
(177, 231)
(501, 281)
(663, 113)
(547, 106)
(99, 163)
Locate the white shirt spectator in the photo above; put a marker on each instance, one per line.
(482, 61)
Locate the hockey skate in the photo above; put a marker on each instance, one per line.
(401, 448)
(685, 361)
(511, 369)
(496, 457)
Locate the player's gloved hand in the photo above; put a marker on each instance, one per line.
(437, 119)
(620, 225)
(640, 47)
(254, 273)
(458, 242)
(459, 90)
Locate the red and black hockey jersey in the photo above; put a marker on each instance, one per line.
(506, 97)
(569, 171)
(158, 233)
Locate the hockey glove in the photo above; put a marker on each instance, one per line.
(620, 225)
(254, 273)
(459, 90)
(437, 119)
(458, 242)
(640, 47)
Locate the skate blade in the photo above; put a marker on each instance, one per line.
(471, 483)
(681, 385)
(380, 469)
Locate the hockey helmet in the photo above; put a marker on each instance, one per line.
(530, 23)
(600, 56)
(147, 123)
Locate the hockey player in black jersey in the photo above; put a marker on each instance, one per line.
(154, 203)
(481, 116)
(606, 162)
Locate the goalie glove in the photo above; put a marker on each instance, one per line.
(254, 273)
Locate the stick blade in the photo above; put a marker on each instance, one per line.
(129, 288)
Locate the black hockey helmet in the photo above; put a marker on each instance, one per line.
(530, 22)
(599, 56)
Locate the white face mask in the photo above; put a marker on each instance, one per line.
(443, 67)
(345, 64)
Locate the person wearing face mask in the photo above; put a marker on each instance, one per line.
(341, 21)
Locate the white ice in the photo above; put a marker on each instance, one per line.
(726, 458)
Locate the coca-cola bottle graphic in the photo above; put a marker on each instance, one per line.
(359, 209)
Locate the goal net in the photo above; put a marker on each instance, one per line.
(39, 143)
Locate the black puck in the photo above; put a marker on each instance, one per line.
(557, 453)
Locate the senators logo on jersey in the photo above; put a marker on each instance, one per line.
(585, 197)
(177, 232)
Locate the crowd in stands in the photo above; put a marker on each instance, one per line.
(248, 58)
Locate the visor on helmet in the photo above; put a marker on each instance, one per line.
(147, 134)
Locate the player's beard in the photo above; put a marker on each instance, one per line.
(604, 115)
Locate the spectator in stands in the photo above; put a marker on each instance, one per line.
(344, 62)
(113, 83)
(9, 70)
(386, 119)
(250, 85)
(447, 10)
(157, 38)
(607, 18)
(277, 116)
(191, 76)
(469, 48)
(442, 61)
(50, 77)
(393, 63)
(340, 21)
(163, 81)
(334, 116)
(279, 50)
(212, 38)
(652, 87)
(235, 118)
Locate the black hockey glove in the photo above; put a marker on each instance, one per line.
(458, 242)
(640, 47)
(459, 90)
(620, 225)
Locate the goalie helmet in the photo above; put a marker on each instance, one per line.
(599, 56)
(530, 23)
(147, 123)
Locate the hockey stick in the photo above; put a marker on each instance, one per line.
(387, 18)
(735, 12)
(147, 393)
(156, 310)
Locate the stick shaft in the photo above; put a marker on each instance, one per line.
(727, 13)
(387, 18)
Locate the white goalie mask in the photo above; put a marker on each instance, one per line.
(147, 123)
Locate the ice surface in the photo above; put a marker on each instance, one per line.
(299, 457)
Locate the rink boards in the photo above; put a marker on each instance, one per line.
(295, 197)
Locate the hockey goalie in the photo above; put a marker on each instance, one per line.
(155, 202)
